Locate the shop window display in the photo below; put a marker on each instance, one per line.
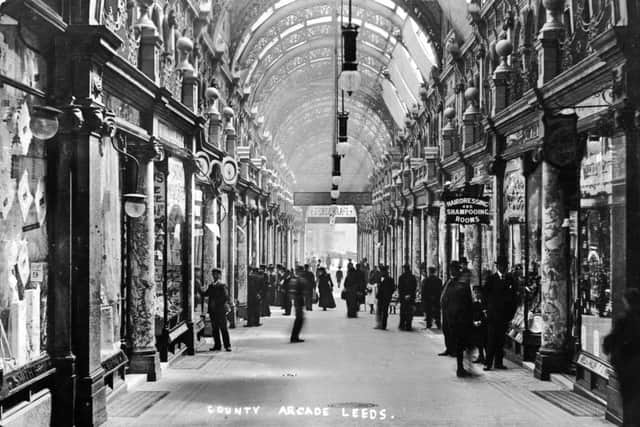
(176, 206)
(24, 268)
(23, 234)
(601, 237)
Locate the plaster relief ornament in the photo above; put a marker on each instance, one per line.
(25, 198)
(7, 196)
(24, 130)
(41, 201)
(23, 262)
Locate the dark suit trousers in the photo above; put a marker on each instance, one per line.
(308, 301)
(297, 323)
(432, 311)
(382, 313)
(496, 335)
(219, 326)
(406, 315)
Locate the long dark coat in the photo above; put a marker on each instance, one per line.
(457, 304)
(325, 289)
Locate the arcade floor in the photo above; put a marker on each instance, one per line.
(345, 373)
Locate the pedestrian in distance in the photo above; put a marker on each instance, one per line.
(361, 285)
(325, 289)
(370, 298)
(458, 304)
(255, 288)
(623, 346)
(499, 293)
(384, 294)
(339, 276)
(407, 287)
(218, 308)
(310, 290)
(350, 292)
(431, 290)
(283, 285)
(298, 289)
(454, 272)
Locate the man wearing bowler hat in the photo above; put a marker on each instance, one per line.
(499, 291)
(218, 308)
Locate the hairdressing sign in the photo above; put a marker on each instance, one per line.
(467, 210)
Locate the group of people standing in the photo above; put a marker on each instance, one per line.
(478, 316)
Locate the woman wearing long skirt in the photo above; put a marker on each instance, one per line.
(325, 289)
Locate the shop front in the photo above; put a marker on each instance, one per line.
(601, 255)
(25, 367)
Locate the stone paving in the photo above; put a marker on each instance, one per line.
(346, 373)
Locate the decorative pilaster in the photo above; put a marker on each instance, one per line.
(431, 237)
(548, 46)
(144, 358)
(416, 221)
(242, 237)
(149, 53)
(554, 273)
(473, 249)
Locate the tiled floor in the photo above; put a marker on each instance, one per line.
(344, 369)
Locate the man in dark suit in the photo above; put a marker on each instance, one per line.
(499, 291)
(431, 290)
(298, 285)
(458, 304)
(385, 292)
(218, 308)
(454, 272)
(254, 291)
(407, 286)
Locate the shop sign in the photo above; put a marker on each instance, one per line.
(523, 136)
(170, 134)
(465, 208)
(329, 211)
(593, 365)
(324, 198)
(560, 139)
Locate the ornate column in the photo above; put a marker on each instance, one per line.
(554, 276)
(432, 238)
(416, 220)
(242, 237)
(473, 249)
(144, 358)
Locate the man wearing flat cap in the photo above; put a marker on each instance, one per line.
(218, 308)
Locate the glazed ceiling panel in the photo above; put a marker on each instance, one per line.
(286, 52)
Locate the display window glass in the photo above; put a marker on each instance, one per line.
(602, 229)
(24, 267)
(176, 207)
(198, 250)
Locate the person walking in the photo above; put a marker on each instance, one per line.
(407, 286)
(458, 305)
(339, 276)
(350, 292)
(298, 289)
(499, 295)
(325, 289)
(623, 344)
(218, 308)
(310, 290)
(385, 292)
(283, 286)
(267, 295)
(431, 290)
(454, 272)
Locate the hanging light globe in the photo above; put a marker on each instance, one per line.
(336, 180)
(335, 193)
(342, 148)
(349, 81)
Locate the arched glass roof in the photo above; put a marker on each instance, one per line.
(286, 50)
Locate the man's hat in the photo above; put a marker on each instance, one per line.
(463, 260)
(502, 260)
(216, 271)
(280, 267)
(384, 267)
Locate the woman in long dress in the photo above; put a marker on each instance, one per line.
(370, 297)
(325, 289)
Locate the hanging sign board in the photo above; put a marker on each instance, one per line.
(560, 139)
(467, 210)
(466, 206)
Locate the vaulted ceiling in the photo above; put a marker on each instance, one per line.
(287, 53)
